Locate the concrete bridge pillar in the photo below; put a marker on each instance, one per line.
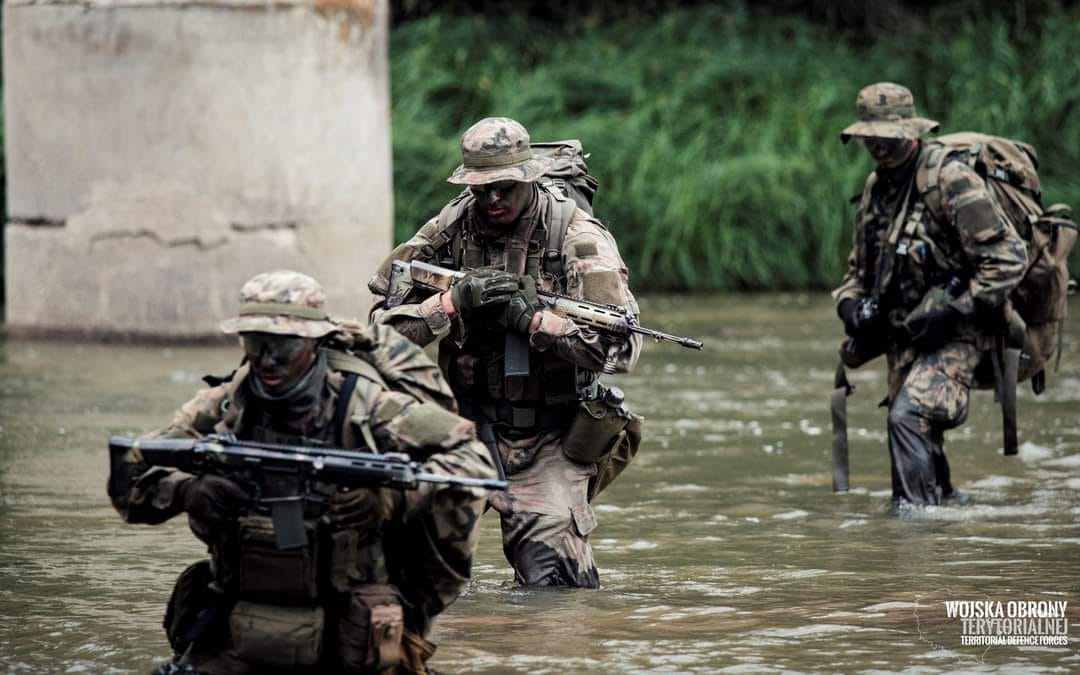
(160, 152)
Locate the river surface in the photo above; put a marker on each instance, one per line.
(722, 549)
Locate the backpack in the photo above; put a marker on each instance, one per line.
(1035, 312)
(569, 174)
(1010, 169)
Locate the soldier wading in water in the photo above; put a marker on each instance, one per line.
(529, 373)
(379, 563)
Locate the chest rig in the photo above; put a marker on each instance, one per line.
(481, 371)
(916, 248)
(248, 560)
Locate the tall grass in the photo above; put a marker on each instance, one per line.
(715, 133)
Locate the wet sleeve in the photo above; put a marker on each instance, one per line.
(153, 493)
(445, 444)
(853, 285)
(995, 251)
(595, 272)
(423, 321)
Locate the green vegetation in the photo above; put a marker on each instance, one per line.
(715, 132)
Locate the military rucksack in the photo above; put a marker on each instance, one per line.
(569, 173)
(1010, 169)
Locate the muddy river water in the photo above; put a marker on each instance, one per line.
(722, 549)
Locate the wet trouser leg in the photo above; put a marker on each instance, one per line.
(546, 519)
(933, 398)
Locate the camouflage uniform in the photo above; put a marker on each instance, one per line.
(428, 543)
(970, 240)
(546, 516)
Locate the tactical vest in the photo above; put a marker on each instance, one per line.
(329, 601)
(476, 370)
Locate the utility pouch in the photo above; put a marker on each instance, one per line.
(370, 629)
(595, 427)
(343, 558)
(276, 636)
(621, 452)
(191, 597)
(287, 577)
(854, 353)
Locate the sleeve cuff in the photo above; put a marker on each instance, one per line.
(551, 328)
(434, 315)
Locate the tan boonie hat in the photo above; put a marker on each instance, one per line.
(282, 302)
(494, 149)
(887, 110)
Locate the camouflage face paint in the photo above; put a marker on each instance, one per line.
(279, 361)
(502, 203)
(889, 153)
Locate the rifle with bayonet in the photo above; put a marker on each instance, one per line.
(278, 477)
(406, 276)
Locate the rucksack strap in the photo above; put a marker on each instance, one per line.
(562, 212)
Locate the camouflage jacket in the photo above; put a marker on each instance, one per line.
(591, 269)
(432, 540)
(963, 233)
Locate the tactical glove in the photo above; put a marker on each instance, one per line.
(482, 289)
(860, 317)
(522, 307)
(365, 509)
(932, 330)
(211, 499)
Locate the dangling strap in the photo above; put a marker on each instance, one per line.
(838, 405)
(1006, 362)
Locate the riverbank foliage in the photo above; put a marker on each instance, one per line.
(714, 130)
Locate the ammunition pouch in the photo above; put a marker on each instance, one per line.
(252, 567)
(370, 629)
(519, 416)
(592, 433)
(618, 454)
(276, 636)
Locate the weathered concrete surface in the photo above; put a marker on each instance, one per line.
(160, 153)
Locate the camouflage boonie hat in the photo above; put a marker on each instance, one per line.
(282, 302)
(887, 110)
(494, 149)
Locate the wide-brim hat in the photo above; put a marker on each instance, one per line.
(281, 302)
(887, 110)
(496, 149)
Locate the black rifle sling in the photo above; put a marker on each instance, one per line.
(341, 411)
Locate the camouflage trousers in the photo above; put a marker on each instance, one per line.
(546, 517)
(928, 395)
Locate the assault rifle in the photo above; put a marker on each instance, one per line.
(611, 319)
(277, 476)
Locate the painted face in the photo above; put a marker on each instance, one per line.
(279, 361)
(502, 203)
(889, 153)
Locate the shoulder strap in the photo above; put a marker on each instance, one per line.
(348, 363)
(450, 223)
(562, 212)
(355, 368)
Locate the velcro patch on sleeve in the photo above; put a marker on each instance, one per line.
(585, 249)
(603, 286)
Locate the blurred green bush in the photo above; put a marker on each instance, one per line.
(715, 131)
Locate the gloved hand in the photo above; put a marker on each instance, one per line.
(521, 307)
(859, 316)
(932, 330)
(365, 509)
(482, 289)
(211, 499)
